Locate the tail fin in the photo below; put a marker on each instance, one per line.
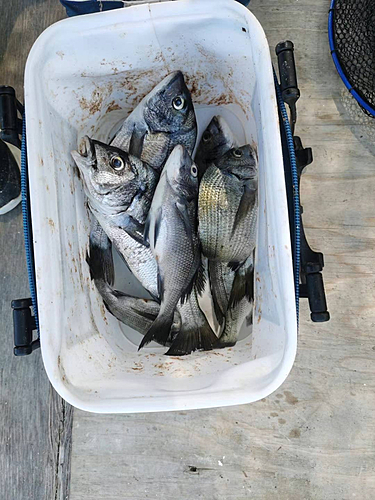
(220, 315)
(243, 286)
(99, 258)
(188, 341)
(159, 330)
(198, 282)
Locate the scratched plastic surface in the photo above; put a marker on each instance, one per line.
(84, 76)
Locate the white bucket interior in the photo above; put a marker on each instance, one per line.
(84, 76)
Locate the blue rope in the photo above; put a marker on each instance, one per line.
(296, 200)
(27, 224)
(331, 37)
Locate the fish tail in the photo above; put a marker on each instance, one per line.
(229, 336)
(100, 259)
(208, 337)
(213, 279)
(159, 331)
(243, 286)
(188, 341)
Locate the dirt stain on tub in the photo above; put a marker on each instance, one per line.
(113, 106)
(62, 371)
(138, 84)
(103, 313)
(137, 367)
(51, 224)
(94, 105)
(74, 265)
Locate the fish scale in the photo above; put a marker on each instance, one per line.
(138, 257)
(219, 199)
(158, 127)
(233, 322)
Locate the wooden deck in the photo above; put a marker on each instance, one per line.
(314, 439)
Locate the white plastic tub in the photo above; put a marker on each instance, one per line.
(83, 76)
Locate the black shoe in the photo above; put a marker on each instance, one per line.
(10, 177)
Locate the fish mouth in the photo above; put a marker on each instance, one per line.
(87, 150)
(174, 77)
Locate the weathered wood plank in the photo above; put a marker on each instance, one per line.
(35, 424)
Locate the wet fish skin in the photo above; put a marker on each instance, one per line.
(136, 313)
(240, 161)
(143, 265)
(171, 230)
(240, 303)
(117, 184)
(101, 246)
(233, 322)
(228, 206)
(137, 256)
(111, 196)
(243, 283)
(155, 126)
(221, 279)
(216, 140)
(195, 332)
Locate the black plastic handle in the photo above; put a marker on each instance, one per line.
(24, 325)
(10, 124)
(311, 263)
(287, 70)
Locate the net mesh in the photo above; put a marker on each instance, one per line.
(354, 33)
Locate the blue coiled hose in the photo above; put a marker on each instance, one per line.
(26, 217)
(296, 200)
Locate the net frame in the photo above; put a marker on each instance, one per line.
(351, 30)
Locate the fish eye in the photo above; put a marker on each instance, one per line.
(117, 163)
(194, 171)
(237, 153)
(206, 136)
(178, 103)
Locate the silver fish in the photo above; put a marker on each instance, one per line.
(189, 320)
(119, 188)
(101, 246)
(118, 185)
(216, 140)
(233, 322)
(161, 121)
(136, 313)
(195, 332)
(171, 230)
(221, 281)
(228, 206)
(240, 303)
(139, 258)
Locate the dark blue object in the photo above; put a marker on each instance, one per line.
(27, 228)
(339, 68)
(76, 8)
(296, 237)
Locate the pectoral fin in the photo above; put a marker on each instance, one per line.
(248, 200)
